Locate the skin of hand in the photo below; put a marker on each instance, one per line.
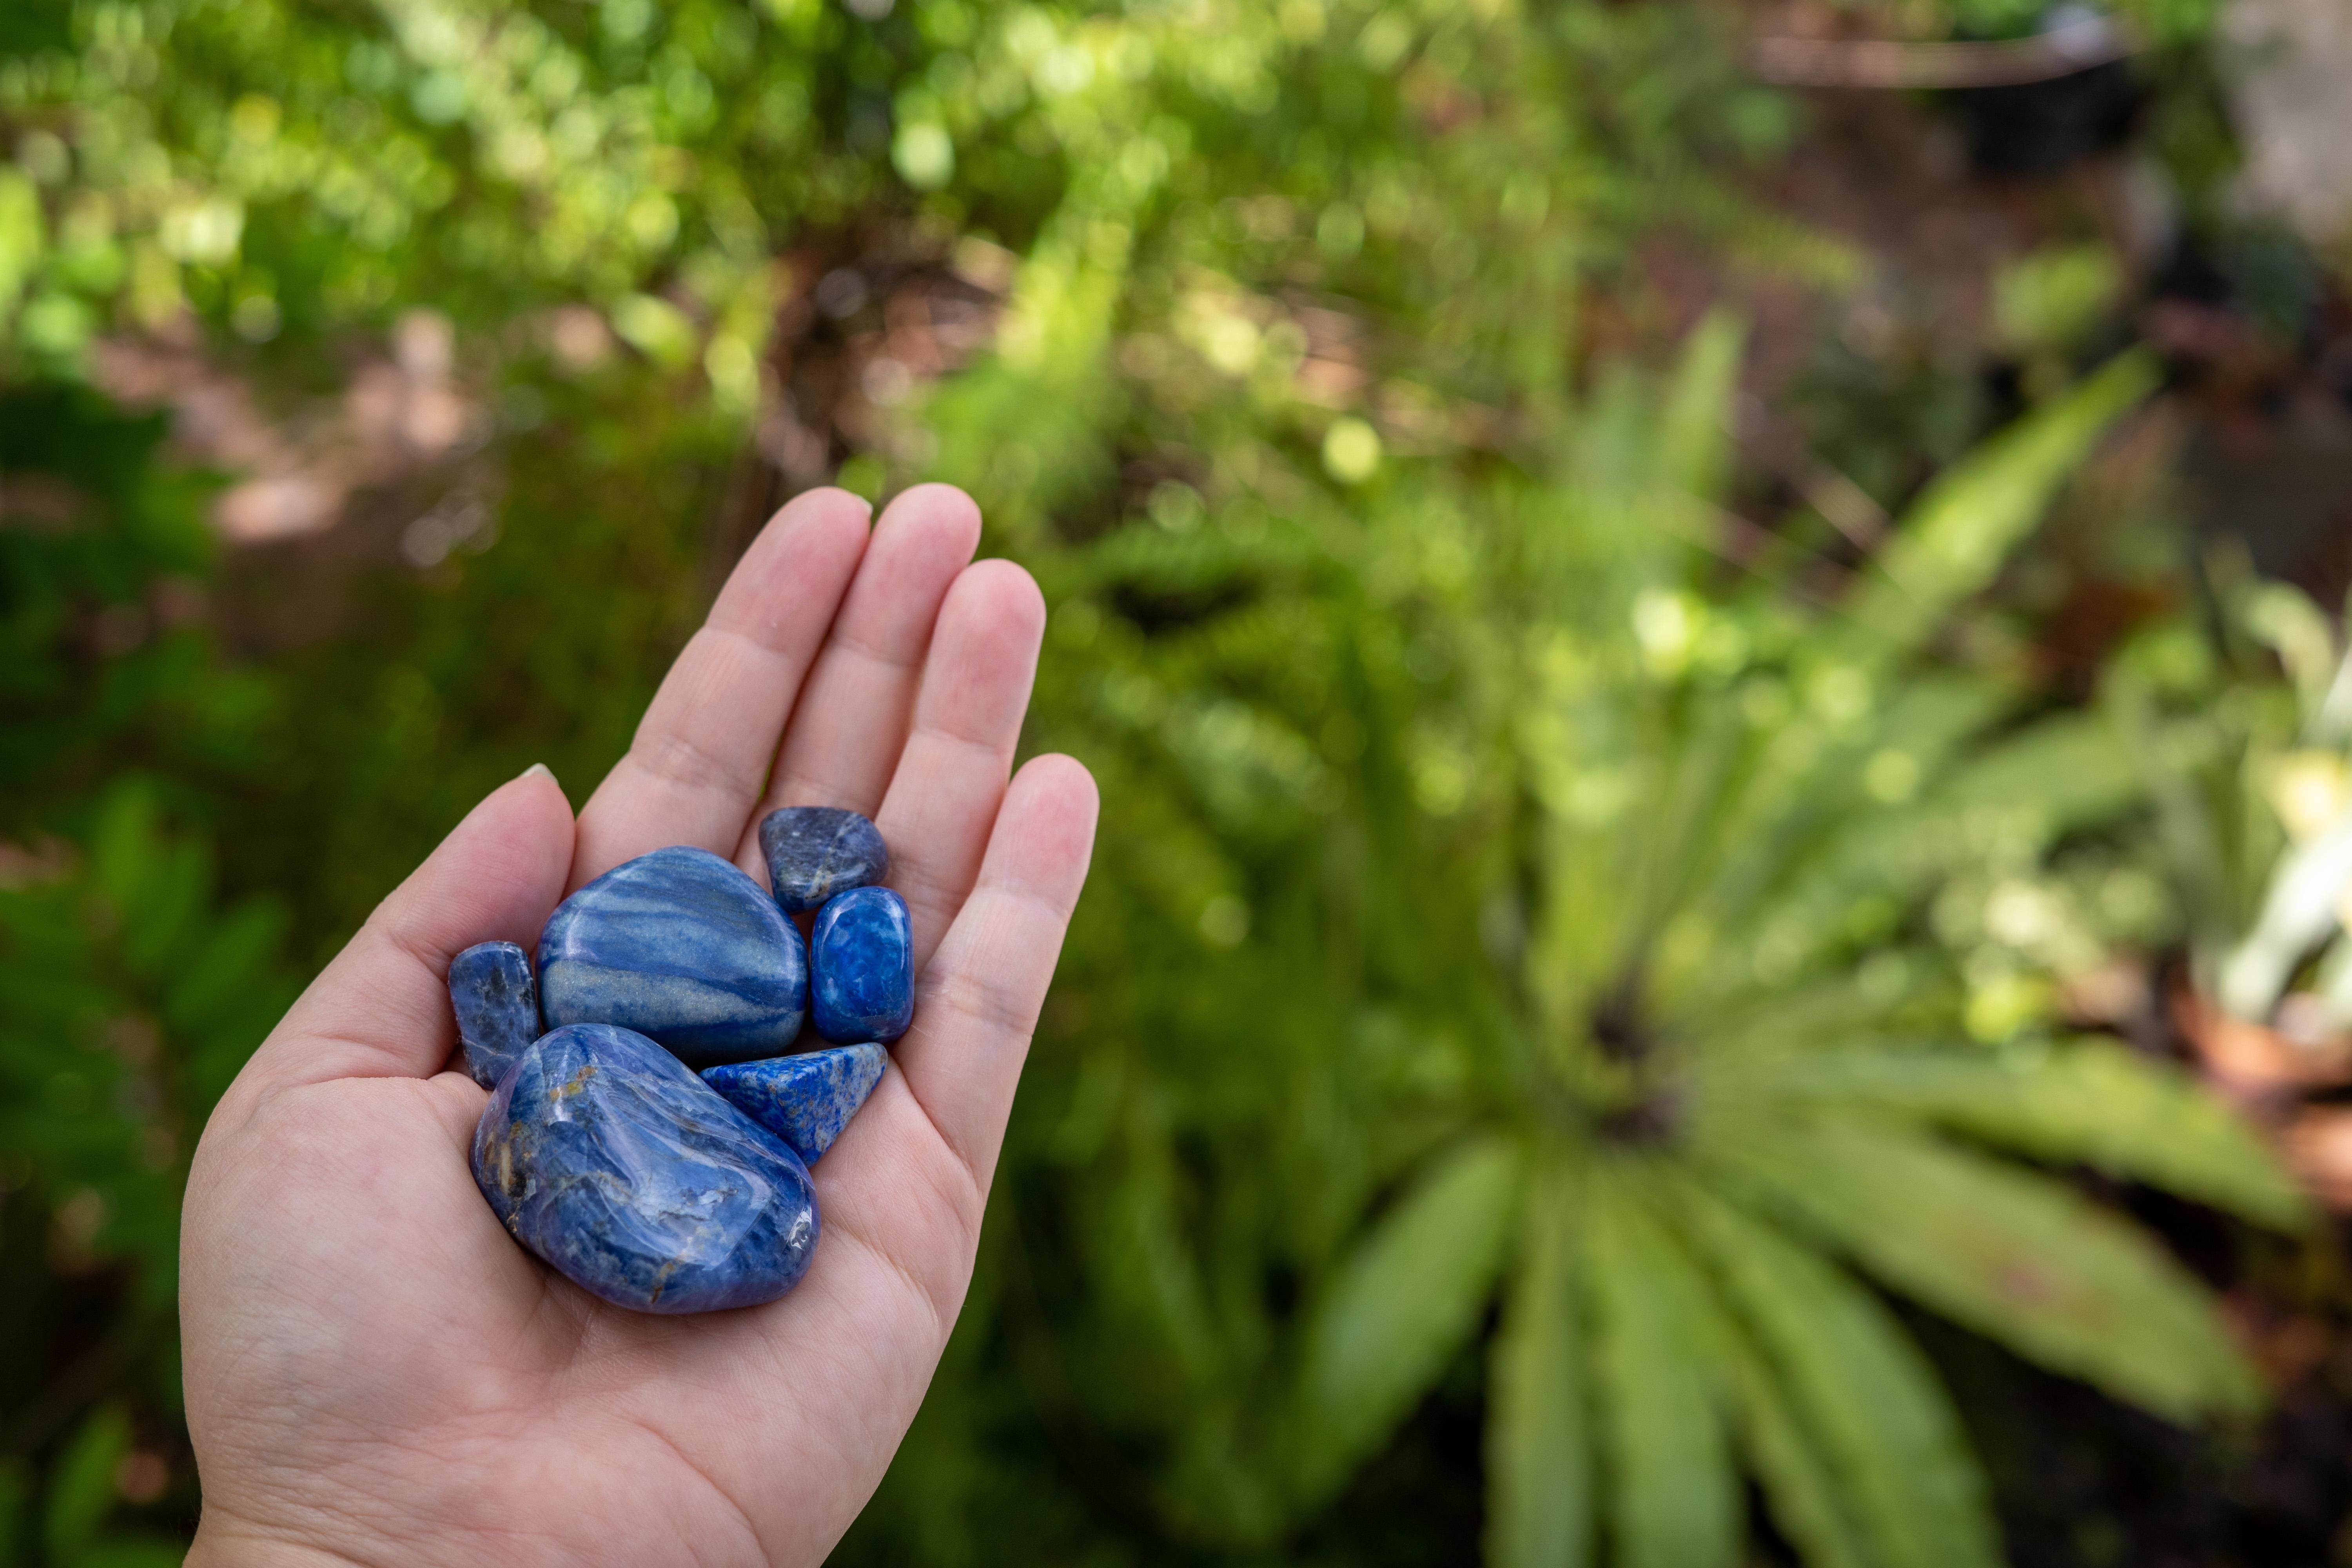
(377, 1373)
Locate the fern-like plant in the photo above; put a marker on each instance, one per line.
(1743, 1093)
(1672, 1060)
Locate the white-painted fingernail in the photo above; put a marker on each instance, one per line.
(542, 769)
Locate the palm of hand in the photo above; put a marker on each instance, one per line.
(376, 1372)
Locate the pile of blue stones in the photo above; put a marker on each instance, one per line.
(651, 1123)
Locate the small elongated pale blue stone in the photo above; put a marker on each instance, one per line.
(683, 947)
(605, 1155)
(861, 967)
(496, 1005)
(805, 1099)
(816, 851)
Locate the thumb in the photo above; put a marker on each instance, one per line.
(380, 1009)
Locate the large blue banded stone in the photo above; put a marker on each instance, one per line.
(631, 1177)
(496, 1005)
(862, 967)
(816, 851)
(805, 1099)
(683, 947)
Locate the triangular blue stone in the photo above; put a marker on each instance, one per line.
(805, 1099)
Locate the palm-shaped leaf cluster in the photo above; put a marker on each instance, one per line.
(1753, 1101)
(1671, 1062)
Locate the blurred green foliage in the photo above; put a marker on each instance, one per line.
(1645, 951)
(1537, 985)
(2243, 720)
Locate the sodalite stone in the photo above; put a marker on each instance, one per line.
(630, 1176)
(681, 946)
(862, 967)
(496, 1005)
(816, 851)
(805, 1099)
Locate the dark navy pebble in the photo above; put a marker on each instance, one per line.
(497, 1006)
(805, 1099)
(862, 967)
(679, 945)
(630, 1176)
(816, 851)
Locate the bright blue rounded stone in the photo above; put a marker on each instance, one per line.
(816, 851)
(805, 1099)
(635, 1181)
(861, 967)
(681, 946)
(496, 1005)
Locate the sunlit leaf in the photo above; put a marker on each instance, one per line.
(1404, 1303)
(1799, 1486)
(1955, 537)
(2068, 770)
(1895, 1453)
(2088, 1101)
(1673, 1495)
(1539, 1446)
(1694, 428)
(2018, 1258)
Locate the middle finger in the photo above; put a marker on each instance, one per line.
(851, 722)
(701, 752)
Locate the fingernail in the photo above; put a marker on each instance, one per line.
(542, 769)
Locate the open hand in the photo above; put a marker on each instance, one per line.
(377, 1373)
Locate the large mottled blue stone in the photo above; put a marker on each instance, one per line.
(861, 967)
(497, 1006)
(805, 1099)
(681, 946)
(816, 851)
(629, 1175)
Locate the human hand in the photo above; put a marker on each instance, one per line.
(377, 1373)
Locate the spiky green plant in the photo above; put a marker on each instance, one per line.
(1742, 1088)
(1647, 1032)
(2253, 789)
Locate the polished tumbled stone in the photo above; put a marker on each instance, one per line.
(862, 967)
(805, 1099)
(497, 1006)
(633, 1179)
(816, 851)
(682, 946)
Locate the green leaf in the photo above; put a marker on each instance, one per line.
(2285, 621)
(1538, 1447)
(1799, 1484)
(1673, 1497)
(1808, 836)
(1955, 537)
(1694, 425)
(81, 1487)
(20, 236)
(2073, 769)
(2018, 1258)
(159, 886)
(236, 956)
(2088, 1102)
(134, 1551)
(1402, 1306)
(1896, 1455)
